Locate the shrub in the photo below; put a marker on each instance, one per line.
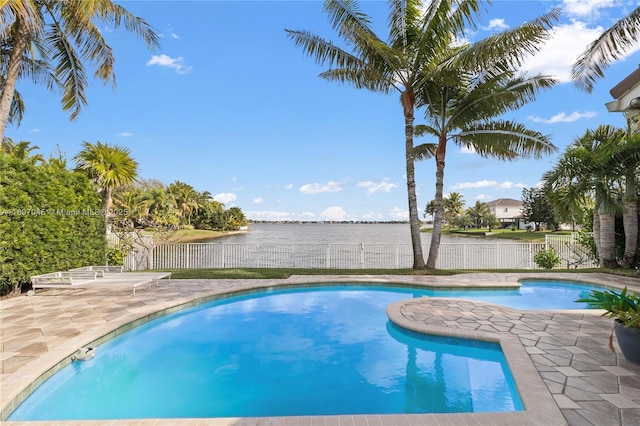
(547, 258)
(51, 219)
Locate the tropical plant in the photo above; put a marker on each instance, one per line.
(628, 156)
(109, 166)
(430, 209)
(453, 207)
(51, 41)
(187, 200)
(547, 258)
(478, 212)
(413, 62)
(588, 169)
(22, 150)
(622, 306)
(468, 88)
(607, 48)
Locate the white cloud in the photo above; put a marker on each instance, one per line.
(225, 197)
(486, 184)
(585, 8)
(124, 134)
(496, 24)
(481, 197)
(318, 188)
(258, 200)
(373, 187)
(169, 62)
(35, 130)
(290, 186)
(557, 56)
(175, 36)
(509, 185)
(467, 150)
(334, 213)
(399, 214)
(477, 184)
(278, 215)
(564, 118)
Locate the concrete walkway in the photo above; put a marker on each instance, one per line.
(564, 370)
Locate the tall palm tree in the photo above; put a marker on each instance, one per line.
(453, 206)
(186, 199)
(628, 156)
(477, 212)
(109, 166)
(607, 48)
(589, 167)
(67, 33)
(405, 62)
(462, 105)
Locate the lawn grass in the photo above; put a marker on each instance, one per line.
(502, 233)
(183, 236)
(284, 273)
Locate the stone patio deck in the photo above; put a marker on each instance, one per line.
(564, 370)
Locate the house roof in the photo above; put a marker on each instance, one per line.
(504, 202)
(625, 85)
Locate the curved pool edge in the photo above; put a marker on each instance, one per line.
(427, 316)
(19, 382)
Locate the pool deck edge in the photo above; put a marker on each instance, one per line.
(39, 332)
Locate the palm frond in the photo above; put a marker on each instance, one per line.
(324, 51)
(69, 70)
(366, 78)
(506, 50)
(425, 151)
(607, 48)
(505, 140)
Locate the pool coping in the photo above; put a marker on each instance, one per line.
(16, 386)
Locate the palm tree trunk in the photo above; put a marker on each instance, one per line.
(21, 39)
(436, 234)
(630, 221)
(596, 230)
(408, 103)
(607, 240)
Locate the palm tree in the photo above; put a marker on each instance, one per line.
(418, 32)
(462, 103)
(21, 150)
(610, 46)
(67, 33)
(477, 212)
(430, 209)
(186, 199)
(589, 167)
(628, 156)
(453, 205)
(109, 166)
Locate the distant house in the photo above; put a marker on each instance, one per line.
(627, 99)
(507, 210)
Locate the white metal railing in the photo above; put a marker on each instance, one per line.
(355, 256)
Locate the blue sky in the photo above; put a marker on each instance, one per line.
(229, 105)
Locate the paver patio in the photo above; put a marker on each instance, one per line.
(564, 370)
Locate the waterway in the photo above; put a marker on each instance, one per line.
(336, 233)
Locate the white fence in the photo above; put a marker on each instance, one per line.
(499, 255)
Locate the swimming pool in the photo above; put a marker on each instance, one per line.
(238, 357)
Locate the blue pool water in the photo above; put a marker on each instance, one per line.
(315, 351)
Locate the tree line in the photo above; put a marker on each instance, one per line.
(45, 209)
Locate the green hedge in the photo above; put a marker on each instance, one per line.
(51, 219)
